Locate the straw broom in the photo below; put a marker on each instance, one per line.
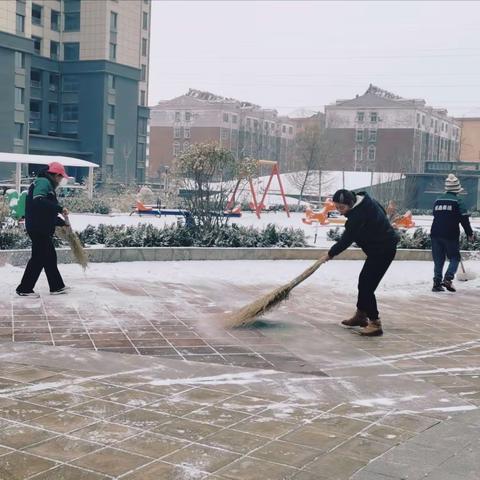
(67, 234)
(247, 315)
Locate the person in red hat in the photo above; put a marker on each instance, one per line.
(41, 218)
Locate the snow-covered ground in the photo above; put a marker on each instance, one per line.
(80, 221)
(405, 277)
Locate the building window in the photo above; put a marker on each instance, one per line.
(423, 119)
(113, 51)
(35, 78)
(372, 136)
(371, 153)
(188, 116)
(142, 126)
(177, 132)
(143, 98)
(19, 60)
(234, 118)
(35, 115)
(145, 20)
(290, 130)
(225, 117)
(144, 73)
(55, 20)
(54, 50)
(36, 14)
(436, 125)
(52, 117)
(284, 129)
(20, 23)
(37, 45)
(19, 96)
(113, 21)
(249, 122)
(71, 83)
(359, 136)
(70, 112)
(185, 146)
(373, 117)
(72, 22)
(360, 116)
(54, 82)
(111, 112)
(111, 141)
(224, 134)
(358, 155)
(111, 82)
(186, 132)
(176, 149)
(177, 116)
(144, 47)
(71, 51)
(19, 131)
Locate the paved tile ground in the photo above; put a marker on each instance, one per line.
(95, 386)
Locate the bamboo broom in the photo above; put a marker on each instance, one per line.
(247, 315)
(67, 234)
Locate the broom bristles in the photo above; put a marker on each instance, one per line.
(76, 247)
(248, 314)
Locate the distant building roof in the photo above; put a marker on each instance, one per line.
(376, 97)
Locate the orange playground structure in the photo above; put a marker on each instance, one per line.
(326, 216)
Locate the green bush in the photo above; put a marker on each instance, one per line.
(146, 235)
(418, 240)
(83, 204)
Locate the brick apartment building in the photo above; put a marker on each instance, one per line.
(380, 131)
(242, 127)
(470, 139)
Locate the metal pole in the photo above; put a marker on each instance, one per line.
(90, 183)
(18, 177)
(319, 187)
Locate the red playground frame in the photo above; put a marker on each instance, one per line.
(259, 206)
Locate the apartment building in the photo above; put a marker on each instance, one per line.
(75, 81)
(244, 128)
(380, 131)
(470, 139)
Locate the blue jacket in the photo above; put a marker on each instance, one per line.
(448, 212)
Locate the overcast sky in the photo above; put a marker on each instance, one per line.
(292, 55)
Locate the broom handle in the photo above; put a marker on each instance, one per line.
(461, 264)
(303, 276)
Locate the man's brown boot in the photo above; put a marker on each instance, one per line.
(358, 320)
(373, 329)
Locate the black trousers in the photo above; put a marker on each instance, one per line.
(44, 256)
(373, 270)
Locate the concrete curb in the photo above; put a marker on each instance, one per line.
(159, 254)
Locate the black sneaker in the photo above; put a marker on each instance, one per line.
(448, 284)
(28, 294)
(437, 287)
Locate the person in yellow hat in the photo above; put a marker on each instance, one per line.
(448, 212)
(41, 217)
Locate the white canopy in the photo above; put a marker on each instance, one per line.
(24, 158)
(44, 160)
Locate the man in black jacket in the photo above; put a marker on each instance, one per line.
(368, 226)
(41, 218)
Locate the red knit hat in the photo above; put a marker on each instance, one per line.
(56, 167)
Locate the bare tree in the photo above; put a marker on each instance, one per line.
(313, 150)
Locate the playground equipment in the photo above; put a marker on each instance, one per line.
(141, 209)
(258, 206)
(329, 215)
(16, 203)
(404, 221)
(326, 216)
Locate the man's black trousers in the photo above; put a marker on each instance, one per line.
(44, 256)
(373, 270)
